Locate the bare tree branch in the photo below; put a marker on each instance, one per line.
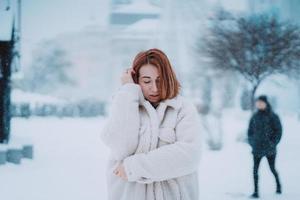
(256, 46)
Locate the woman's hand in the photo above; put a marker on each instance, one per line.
(120, 172)
(127, 76)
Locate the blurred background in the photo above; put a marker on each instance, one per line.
(61, 62)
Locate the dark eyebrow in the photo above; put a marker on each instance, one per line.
(149, 77)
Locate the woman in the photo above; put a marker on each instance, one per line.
(153, 134)
(264, 134)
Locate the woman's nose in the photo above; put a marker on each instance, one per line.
(154, 87)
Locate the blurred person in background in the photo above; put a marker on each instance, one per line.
(153, 134)
(264, 133)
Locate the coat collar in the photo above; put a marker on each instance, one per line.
(174, 102)
(157, 115)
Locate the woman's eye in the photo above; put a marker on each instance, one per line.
(146, 81)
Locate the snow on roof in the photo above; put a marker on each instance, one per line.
(144, 25)
(19, 96)
(6, 25)
(139, 6)
(142, 29)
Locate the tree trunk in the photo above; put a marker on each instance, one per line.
(253, 91)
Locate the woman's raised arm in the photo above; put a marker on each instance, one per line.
(120, 133)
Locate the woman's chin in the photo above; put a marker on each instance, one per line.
(153, 100)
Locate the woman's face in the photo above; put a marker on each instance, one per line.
(149, 82)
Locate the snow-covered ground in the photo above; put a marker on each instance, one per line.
(70, 160)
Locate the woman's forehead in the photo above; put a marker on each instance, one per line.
(149, 71)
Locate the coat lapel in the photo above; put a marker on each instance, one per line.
(154, 125)
(161, 111)
(157, 116)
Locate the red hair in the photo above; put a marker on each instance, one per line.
(169, 85)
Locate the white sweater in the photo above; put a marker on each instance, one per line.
(159, 148)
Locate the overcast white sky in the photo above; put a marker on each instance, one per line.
(47, 19)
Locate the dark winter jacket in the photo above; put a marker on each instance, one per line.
(264, 132)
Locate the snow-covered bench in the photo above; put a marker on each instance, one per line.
(3, 150)
(15, 151)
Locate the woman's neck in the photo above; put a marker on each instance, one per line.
(155, 105)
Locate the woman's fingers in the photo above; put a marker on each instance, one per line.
(127, 76)
(119, 171)
(129, 70)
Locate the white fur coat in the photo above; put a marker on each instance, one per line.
(159, 148)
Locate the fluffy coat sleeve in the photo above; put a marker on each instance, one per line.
(172, 160)
(120, 133)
